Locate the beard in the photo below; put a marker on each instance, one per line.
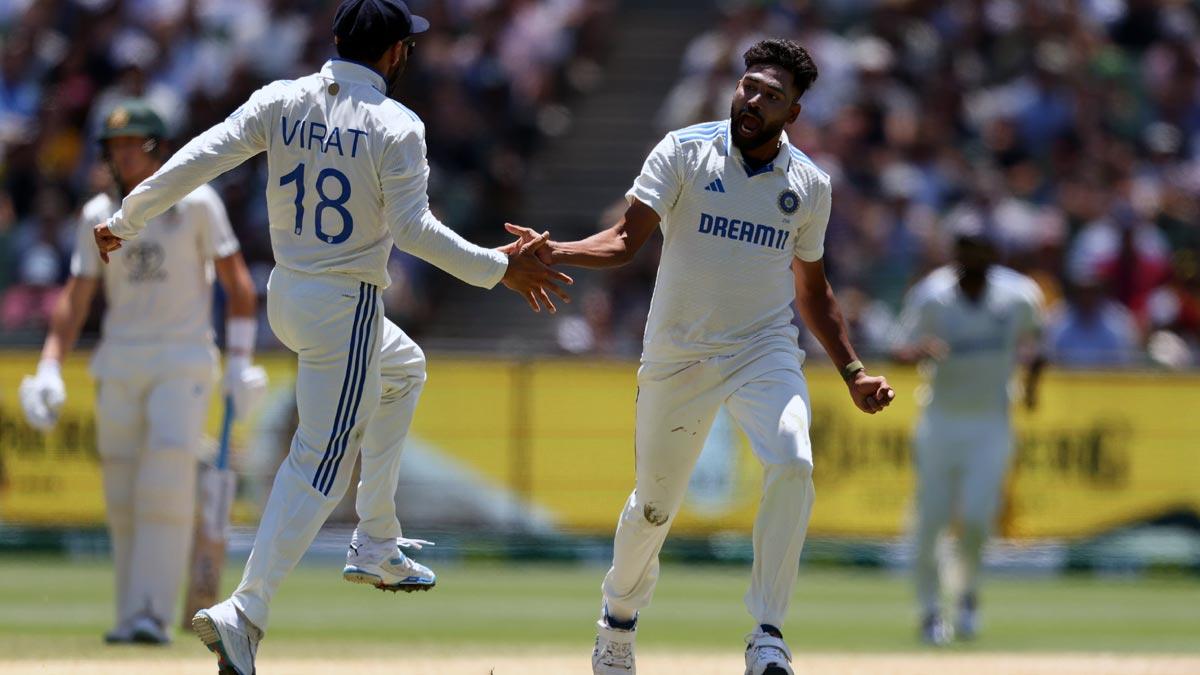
(765, 133)
(392, 78)
(393, 82)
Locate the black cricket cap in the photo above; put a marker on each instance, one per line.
(372, 26)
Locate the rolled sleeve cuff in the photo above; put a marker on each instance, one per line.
(226, 249)
(811, 255)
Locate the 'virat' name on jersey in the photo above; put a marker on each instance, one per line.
(311, 135)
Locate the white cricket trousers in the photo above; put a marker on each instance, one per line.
(357, 384)
(765, 392)
(151, 404)
(961, 462)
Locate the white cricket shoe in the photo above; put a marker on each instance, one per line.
(229, 635)
(146, 629)
(613, 653)
(381, 563)
(767, 654)
(935, 632)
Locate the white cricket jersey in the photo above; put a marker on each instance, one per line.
(729, 237)
(158, 289)
(347, 178)
(983, 338)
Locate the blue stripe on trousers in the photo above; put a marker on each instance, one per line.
(346, 380)
(364, 360)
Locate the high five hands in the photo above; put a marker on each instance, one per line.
(528, 276)
(537, 242)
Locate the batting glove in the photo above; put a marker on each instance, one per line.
(42, 395)
(246, 384)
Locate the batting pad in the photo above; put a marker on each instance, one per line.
(120, 474)
(164, 509)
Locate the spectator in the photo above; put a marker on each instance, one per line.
(1091, 330)
(490, 86)
(8, 243)
(19, 89)
(1073, 128)
(1128, 252)
(591, 333)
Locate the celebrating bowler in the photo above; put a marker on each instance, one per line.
(743, 215)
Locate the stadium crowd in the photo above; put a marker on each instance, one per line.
(1069, 128)
(490, 82)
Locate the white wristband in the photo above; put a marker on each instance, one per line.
(239, 335)
(49, 367)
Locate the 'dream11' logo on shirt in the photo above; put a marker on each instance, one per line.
(743, 230)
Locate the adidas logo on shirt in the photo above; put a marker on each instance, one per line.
(715, 186)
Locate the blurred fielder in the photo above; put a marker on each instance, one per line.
(154, 367)
(969, 320)
(347, 179)
(743, 215)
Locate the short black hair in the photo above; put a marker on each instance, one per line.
(787, 54)
(359, 53)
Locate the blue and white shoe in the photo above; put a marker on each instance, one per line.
(381, 563)
(613, 653)
(230, 636)
(146, 629)
(967, 626)
(767, 654)
(121, 635)
(935, 632)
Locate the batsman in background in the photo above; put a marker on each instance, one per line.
(969, 320)
(743, 215)
(154, 367)
(347, 179)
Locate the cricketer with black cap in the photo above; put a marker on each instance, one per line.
(347, 180)
(363, 30)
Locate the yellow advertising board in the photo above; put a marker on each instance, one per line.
(54, 478)
(1102, 449)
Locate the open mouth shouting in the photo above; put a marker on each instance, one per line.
(748, 124)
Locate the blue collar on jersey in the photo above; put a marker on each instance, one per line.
(783, 158)
(353, 71)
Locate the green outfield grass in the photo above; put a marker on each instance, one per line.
(51, 607)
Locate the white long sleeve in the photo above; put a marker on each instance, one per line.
(433, 242)
(219, 149)
(416, 230)
(347, 178)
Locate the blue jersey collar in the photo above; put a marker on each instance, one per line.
(353, 71)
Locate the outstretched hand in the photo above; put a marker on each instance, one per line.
(870, 393)
(529, 277)
(106, 241)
